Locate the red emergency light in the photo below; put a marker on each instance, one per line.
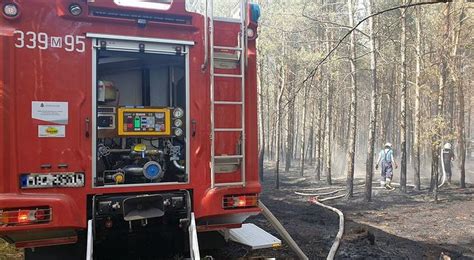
(13, 217)
(240, 201)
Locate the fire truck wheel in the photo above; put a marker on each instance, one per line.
(61, 252)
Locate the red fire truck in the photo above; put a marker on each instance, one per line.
(126, 125)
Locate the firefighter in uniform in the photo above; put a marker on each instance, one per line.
(387, 161)
(448, 157)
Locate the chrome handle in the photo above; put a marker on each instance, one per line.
(193, 122)
(87, 127)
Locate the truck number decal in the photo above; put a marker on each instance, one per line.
(43, 41)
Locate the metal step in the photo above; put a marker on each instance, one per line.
(254, 237)
(229, 156)
(227, 184)
(228, 129)
(228, 48)
(228, 102)
(229, 75)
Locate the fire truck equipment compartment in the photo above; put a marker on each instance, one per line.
(140, 115)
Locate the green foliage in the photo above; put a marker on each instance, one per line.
(436, 131)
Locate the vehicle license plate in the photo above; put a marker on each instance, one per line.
(53, 180)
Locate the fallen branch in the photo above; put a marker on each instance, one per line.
(337, 240)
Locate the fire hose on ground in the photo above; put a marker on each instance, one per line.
(337, 240)
(282, 231)
(314, 200)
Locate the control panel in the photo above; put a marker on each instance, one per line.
(144, 121)
(105, 117)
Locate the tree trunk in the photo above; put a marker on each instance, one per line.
(319, 140)
(269, 118)
(417, 132)
(373, 109)
(327, 132)
(403, 104)
(460, 135)
(290, 124)
(303, 143)
(457, 79)
(278, 124)
(261, 152)
(273, 144)
(310, 150)
(296, 134)
(443, 67)
(353, 110)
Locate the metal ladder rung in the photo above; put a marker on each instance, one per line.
(228, 129)
(229, 184)
(228, 48)
(228, 75)
(229, 156)
(231, 163)
(228, 102)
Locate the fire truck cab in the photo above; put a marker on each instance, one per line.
(127, 126)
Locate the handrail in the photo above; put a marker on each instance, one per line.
(206, 39)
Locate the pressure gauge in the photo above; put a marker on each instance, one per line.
(178, 132)
(178, 123)
(178, 112)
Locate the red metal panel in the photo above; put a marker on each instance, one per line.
(55, 74)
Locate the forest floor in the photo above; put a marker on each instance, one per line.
(393, 226)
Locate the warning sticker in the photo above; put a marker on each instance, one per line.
(54, 112)
(58, 131)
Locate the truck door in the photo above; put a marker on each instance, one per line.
(51, 107)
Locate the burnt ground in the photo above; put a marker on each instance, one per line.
(393, 226)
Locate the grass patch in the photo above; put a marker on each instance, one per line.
(9, 252)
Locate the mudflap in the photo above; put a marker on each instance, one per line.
(75, 251)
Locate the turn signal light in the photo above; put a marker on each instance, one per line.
(240, 201)
(30, 216)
